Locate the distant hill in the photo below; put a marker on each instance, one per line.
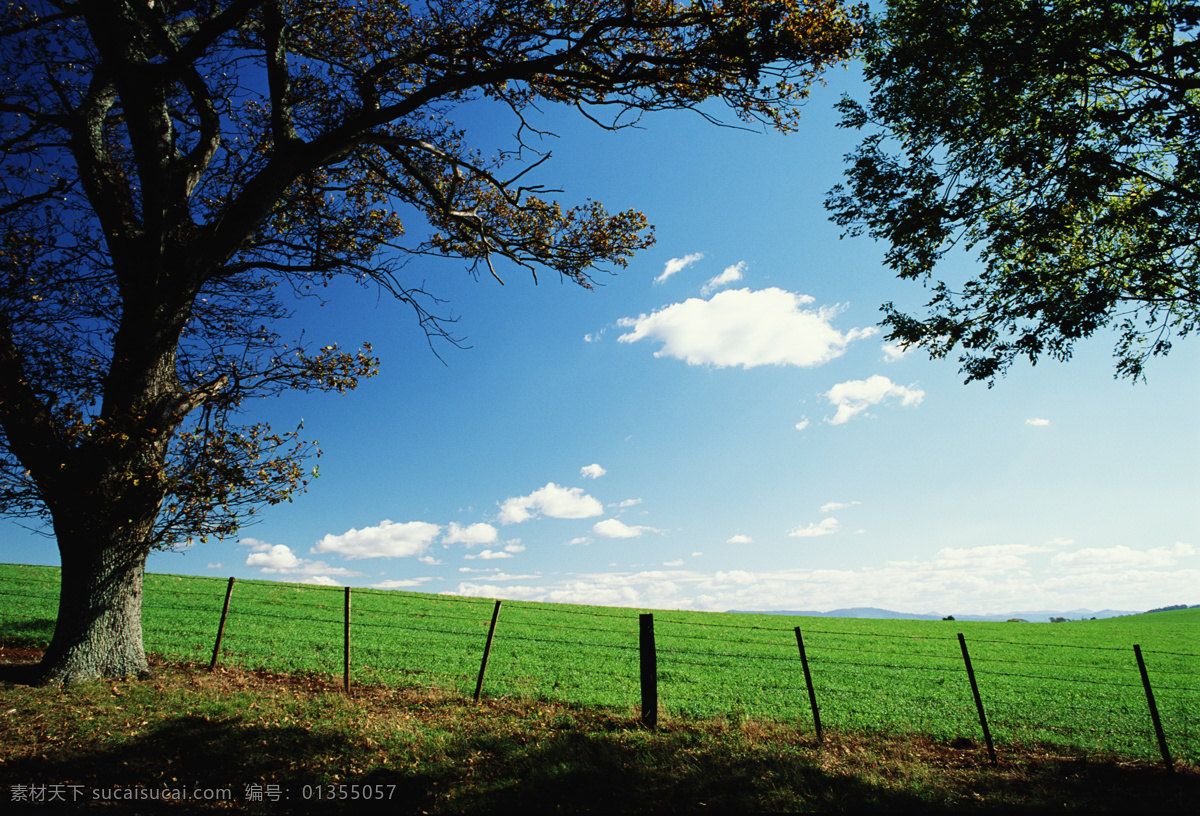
(1040, 616)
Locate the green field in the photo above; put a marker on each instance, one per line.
(1073, 685)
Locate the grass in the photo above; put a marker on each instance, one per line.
(1067, 688)
(423, 750)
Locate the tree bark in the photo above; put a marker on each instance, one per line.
(98, 633)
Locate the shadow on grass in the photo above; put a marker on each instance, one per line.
(187, 753)
(581, 767)
(21, 649)
(570, 771)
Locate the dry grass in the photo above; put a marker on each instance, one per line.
(430, 752)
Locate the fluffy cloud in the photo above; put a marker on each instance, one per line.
(552, 500)
(515, 593)
(895, 351)
(387, 540)
(823, 527)
(1041, 423)
(855, 396)
(740, 327)
(831, 507)
(407, 583)
(992, 558)
(740, 539)
(614, 528)
(488, 555)
(592, 471)
(275, 559)
(1122, 557)
(678, 264)
(734, 577)
(470, 535)
(319, 580)
(968, 580)
(728, 276)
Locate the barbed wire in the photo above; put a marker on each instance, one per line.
(706, 665)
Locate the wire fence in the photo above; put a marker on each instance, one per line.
(1076, 694)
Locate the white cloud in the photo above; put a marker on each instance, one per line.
(832, 507)
(274, 558)
(614, 528)
(592, 471)
(855, 396)
(728, 276)
(514, 548)
(739, 539)
(678, 264)
(1122, 557)
(678, 562)
(895, 351)
(430, 560)
(578, 540)
(734, 577)
(552, 500)
(740, 327)
(387, 540)
(991, 558)
(823, 527)
(406, 583)
(279, 559)
(319, 580)
(217, 565)
(802, 424)
(1041, 423)
(515, 593)
(629, 503)
(488, 555)
(1002, 579)
(470, 535)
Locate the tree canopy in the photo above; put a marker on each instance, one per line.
(172, 171)
(1057, 139)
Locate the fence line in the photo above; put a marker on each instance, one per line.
(859, 679)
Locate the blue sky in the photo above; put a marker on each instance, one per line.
(721, 425)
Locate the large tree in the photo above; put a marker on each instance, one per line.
(1059, 142)
(171, 171)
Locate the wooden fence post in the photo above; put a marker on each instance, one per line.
(487, 648)
(812, 693)
(346, 670)
(221, 626)
(987, 734)
(1158, 729)
(649, 673)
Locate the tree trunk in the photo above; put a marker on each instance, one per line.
(99, 629)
